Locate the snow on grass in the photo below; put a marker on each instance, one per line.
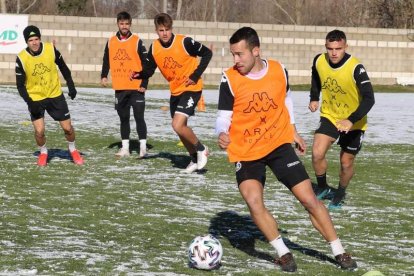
(137, 216)
(389, 122)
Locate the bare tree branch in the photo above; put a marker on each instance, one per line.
(94, 8)
(31, 5)
(276, 3)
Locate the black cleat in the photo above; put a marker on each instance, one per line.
(345, 261)
(287, 263)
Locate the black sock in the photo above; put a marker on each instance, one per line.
(341, 190)
(194, 157)
(321, 179)
(199, 147)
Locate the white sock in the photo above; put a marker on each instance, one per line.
(337, 247)
(280, 246)
(143, 143)
(43, 149)
(125, 144)
(71, 146)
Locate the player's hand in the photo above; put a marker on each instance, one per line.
(313, 106)
(344, 125)
(134, 75)
(189, 82)
(72, 92)
(223, 140)
(104, 82)
(142, 89)
(300, 144)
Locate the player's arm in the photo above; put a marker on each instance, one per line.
(142, 53)
(224, 114)
(299, 141)
(366, 91)
(315, 90)
(196, 49)
(105, 62)
(64, 69)
(149, 65)
(21, 81)
(105, 66)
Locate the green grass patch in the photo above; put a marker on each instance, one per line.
(138, 216)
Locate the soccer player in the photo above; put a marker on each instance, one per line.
(176, 56)
(255, 128)
(347, 97)
(38, 84)
(123, 54)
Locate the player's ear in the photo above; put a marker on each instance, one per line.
(256, 51)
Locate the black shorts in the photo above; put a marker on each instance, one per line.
(184, 103)
(56, 107)
(124, 99)
(283, 162)
(350, 142)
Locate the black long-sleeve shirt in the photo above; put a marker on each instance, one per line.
(362, 82)
(141, 50)
(193, 48)
(21, 74)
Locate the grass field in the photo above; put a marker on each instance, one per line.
(136, 217)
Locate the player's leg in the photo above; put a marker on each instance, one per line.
(251, 176)
(252, 193)
(138, 107)
(122, 107)
(39, 131)
(351, 144)
(59, 111)
(39, 134)
(70, 137)
(322, 221)
(177, 123)
(37, 113)
(68, 129)
(324, 137)
(317, 211)
(289, 170)
(182, 107)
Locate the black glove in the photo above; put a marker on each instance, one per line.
(72, 92)
(34, 106)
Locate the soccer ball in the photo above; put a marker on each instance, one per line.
(205, 252)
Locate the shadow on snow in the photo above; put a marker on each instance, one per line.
(179, 161)
(57, 153)
(242, 234)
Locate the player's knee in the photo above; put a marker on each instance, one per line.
(347, 165)
(69, 131)
(255, 204)
(177, 126)
(310, 203)
(317, 156)
(39, 134)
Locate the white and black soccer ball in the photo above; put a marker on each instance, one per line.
(205, 252)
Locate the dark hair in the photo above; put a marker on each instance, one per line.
(336, 35)
(163, 19)
(248, 34)
(123, 16)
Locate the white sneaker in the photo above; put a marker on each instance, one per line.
(123, 152)
(142, 150)
(202, 158)
(192, 167)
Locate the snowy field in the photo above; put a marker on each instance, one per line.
(391, 121)
(136, 217)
